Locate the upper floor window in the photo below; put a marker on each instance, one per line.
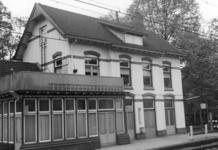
(60, 64)
(167, 75)
(147, 73)
(91, 65)
(125, 70)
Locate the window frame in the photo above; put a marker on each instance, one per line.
(124, 59)
(60, 112)
(120, 110)
(147, 70)
(106, 99)
(11, 115)
(150, 99)
(70, 112)
(94, 111)
(92, 66)
(82, 112)
(3, 120)
(41, 113)
(169, 99)
(31, 113)
(166, 65)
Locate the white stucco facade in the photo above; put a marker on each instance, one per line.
(109, 66)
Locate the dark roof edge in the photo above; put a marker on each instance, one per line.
(181, 54)
(125, 29)
(87, 39)
(148, 51)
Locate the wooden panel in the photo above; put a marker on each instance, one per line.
(150, 125)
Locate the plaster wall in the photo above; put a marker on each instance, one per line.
(57, 43)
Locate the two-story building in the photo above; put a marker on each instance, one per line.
(102, 83)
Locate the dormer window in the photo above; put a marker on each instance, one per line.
(133, 39)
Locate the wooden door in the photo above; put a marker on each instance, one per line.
(18, 134)
(150, 123)
(130, 125)
(170, 121)
(107, 128)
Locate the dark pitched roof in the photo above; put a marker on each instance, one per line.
(74, 24)
(8, 67)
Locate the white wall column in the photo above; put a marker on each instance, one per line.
(160, 116)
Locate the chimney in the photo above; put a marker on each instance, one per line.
(137, 22)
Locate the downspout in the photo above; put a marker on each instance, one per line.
(72, 59)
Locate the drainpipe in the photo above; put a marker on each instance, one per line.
(72, 59)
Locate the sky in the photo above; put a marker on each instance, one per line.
(23, 8)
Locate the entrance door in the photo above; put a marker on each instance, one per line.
(170, 121)
(130, 121)
(150, 125)
(107, 128)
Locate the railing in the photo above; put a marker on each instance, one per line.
(59, 82)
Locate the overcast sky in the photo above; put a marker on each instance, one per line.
(208, 8)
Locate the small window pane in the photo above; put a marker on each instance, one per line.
(70, 125)
(81, 120)
(148, 103)
(88, 71)
(57, 105)
(92, 104)
(43, 105)
(168, 103)
(19, 106)
(106, 104)
(128, 102)
(70, 104)
(91, 61)
(58, 62)
(167, 82)
(92, 124)
(95, 71)
(30, 130)
(166, 69)
(5, 108)
(146, 66)
(119, 104)
(11, 107)
(31, 105)
(81, 104)
(124, 64)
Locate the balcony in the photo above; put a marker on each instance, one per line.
(38, 81)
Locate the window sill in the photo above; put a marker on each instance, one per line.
(168, 89)
(148, 88)
(128, 88)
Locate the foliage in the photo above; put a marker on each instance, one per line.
(164, 17)
(8, 26)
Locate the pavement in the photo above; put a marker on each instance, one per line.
(148, 144)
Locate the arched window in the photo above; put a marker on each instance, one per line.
(125, 69)
(167, 74)
(91, 63)
(147, 72)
